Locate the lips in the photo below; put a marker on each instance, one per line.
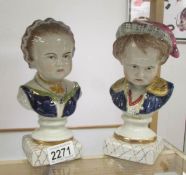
(140, 80)
(60, 70)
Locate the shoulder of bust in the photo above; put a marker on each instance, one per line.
(32, 84)
(160, 87)
(23, 99)
(118, 85)
(70, 85)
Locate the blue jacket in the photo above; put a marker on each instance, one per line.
(44, 103)
(152, 101)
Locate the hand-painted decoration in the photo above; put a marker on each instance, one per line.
(141, 47)
(48, 46)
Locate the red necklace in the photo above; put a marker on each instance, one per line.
(132, 103)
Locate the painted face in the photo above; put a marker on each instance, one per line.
(52, 56)
(140, 68)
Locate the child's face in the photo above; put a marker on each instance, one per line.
(52, 56)
(140, 68)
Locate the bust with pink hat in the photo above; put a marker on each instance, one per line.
(141, 47)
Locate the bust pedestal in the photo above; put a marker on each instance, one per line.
(134, 141)
(52, 131)
(36, 152)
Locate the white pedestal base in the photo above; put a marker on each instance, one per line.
(136, 127)
(37, 153)
(52, 129)
(142, 153)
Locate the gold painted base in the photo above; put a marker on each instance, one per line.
(36, 151)
(52, 143)
(141, 153)
(134, 141)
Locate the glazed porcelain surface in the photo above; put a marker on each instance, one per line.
(141, 91)
(141, 47)
(48, 47)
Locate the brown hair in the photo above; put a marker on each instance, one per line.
(142, 41)
(40, 28)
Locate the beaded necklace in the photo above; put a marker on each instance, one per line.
(132, 103)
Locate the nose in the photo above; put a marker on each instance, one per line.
(140, 73)
(59, 61)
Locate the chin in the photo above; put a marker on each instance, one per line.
(59, 78)
(139, 84)
(55, 78)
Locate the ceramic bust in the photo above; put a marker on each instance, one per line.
(141, 47)
(48, 46)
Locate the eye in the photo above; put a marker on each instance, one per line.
(149, 68)
(134, 66)
(51, 56)
(67, 57)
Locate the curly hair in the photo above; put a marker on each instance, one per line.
(40, 28)
(142, 41)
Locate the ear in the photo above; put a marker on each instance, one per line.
(163, 60)
(121, 60)
(32, 64)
